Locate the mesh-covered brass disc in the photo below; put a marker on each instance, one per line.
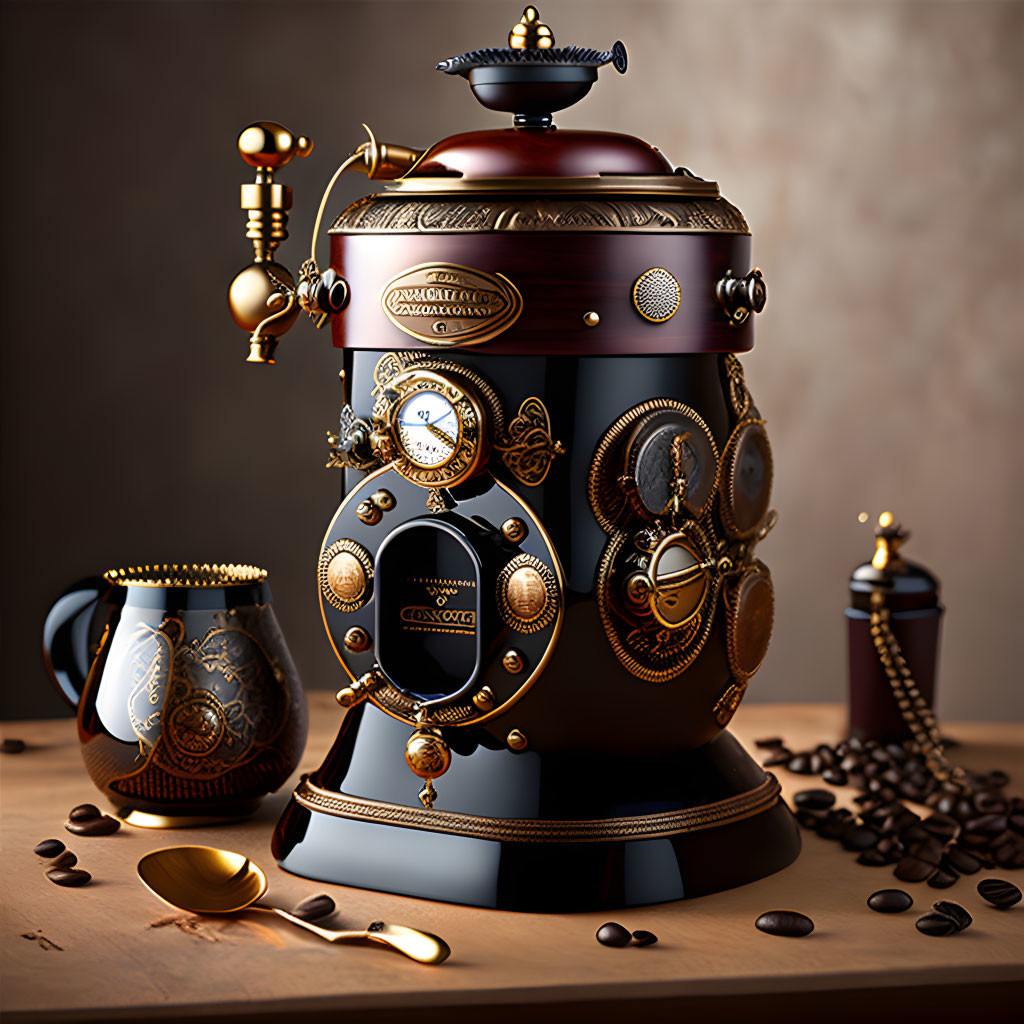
(746, 479)
(656, 295)
(750, 610)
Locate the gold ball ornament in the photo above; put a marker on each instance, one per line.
(427, 755)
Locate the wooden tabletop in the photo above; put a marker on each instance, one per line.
(110, 951)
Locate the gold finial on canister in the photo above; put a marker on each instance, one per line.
(531, 33)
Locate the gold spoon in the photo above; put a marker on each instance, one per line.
(203, 880)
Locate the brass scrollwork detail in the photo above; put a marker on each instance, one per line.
(727, 704)
(351, 446)
(528, 448)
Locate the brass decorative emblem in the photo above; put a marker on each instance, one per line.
(657, 628)
(427, 756)
(749, 601)
(528, 595)
(656, 295)
(727, 704)
(345, 573)
(446, 304)
(746, 479)
(529, 449)
(657, 459)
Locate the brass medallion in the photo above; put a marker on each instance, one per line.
(449, 305)
(746, 479)
(346, 575)
(528, 594)
(657, 630)
(658, 458)
(749, 601)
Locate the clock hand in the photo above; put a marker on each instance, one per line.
(441, 435)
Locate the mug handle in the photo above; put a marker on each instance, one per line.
(71, 634)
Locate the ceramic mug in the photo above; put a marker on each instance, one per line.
(189, 706)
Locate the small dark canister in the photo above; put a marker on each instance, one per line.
(911, 594)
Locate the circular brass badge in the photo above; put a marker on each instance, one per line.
(746, 480)
(656, 295)
(346, 575)
(750, 604)
(527, 594)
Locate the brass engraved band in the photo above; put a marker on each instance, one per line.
(530, 830)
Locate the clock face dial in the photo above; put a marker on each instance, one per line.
(428, 429)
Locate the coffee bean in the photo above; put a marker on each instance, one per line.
(784, 922)
(954, 912)
(998, 778)
(859, 838)
(1016, 822)
(65, 860)
(101, 826)
(832, 827)
(935, 924)
(83, 812)
(850, 763)
(49, 848)
(814, 799)
(815, 764)
(991, 824)
(941, 825)
(990, 803)
(943, 879)
(779, 757)
(824, 752)
(771, 741)
(890, 901)
(810, 819)
(314, 907)
(800, 764)
(872, 859)
(68, 877)
(12, 746)
(835, 776)
(962, 861)
(612, 934)
(911, 869)
(999, 893)
(644, 938)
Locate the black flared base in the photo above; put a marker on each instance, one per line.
(726, 827)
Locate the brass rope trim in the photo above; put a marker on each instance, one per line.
(531, 830)
(194, 575)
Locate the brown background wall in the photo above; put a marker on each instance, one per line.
(876, 149)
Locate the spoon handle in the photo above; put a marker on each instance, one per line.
(417, 945)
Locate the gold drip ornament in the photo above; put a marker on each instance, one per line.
(427, 756)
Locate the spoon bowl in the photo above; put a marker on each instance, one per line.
(205, 880)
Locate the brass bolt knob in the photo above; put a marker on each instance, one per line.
(367, 512)
(513, 662)
(484, 698)
(591, 319)
(741, 296)
(516, 740)
(384, 500)
(531, 33)
(357, 640)
(514, 530)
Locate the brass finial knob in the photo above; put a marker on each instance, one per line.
(531, 33)
(269, 144)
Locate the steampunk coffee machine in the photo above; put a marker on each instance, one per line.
(541, 582)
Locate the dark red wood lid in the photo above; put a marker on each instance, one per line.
(539, 153)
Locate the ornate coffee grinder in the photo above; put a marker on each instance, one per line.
(541, 583)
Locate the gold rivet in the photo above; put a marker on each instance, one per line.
(367, 512)
(513, 662)
(347, 697)
(516, 740)
(484, 698)
(591, 319)
(514, 530)
(357, 640)
(384, 500)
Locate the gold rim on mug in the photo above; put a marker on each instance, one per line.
(195, 575)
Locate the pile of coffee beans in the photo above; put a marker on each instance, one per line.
(790, 923)
(312, 908)
(88, 820)
(62, 870)
(946, 918)
(974, 827)
(614, 934)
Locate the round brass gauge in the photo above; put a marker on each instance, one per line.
(750, 606)
(746, 481)
(438, 426)
(678, 581)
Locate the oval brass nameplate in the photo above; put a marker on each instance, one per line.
(448, 305)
